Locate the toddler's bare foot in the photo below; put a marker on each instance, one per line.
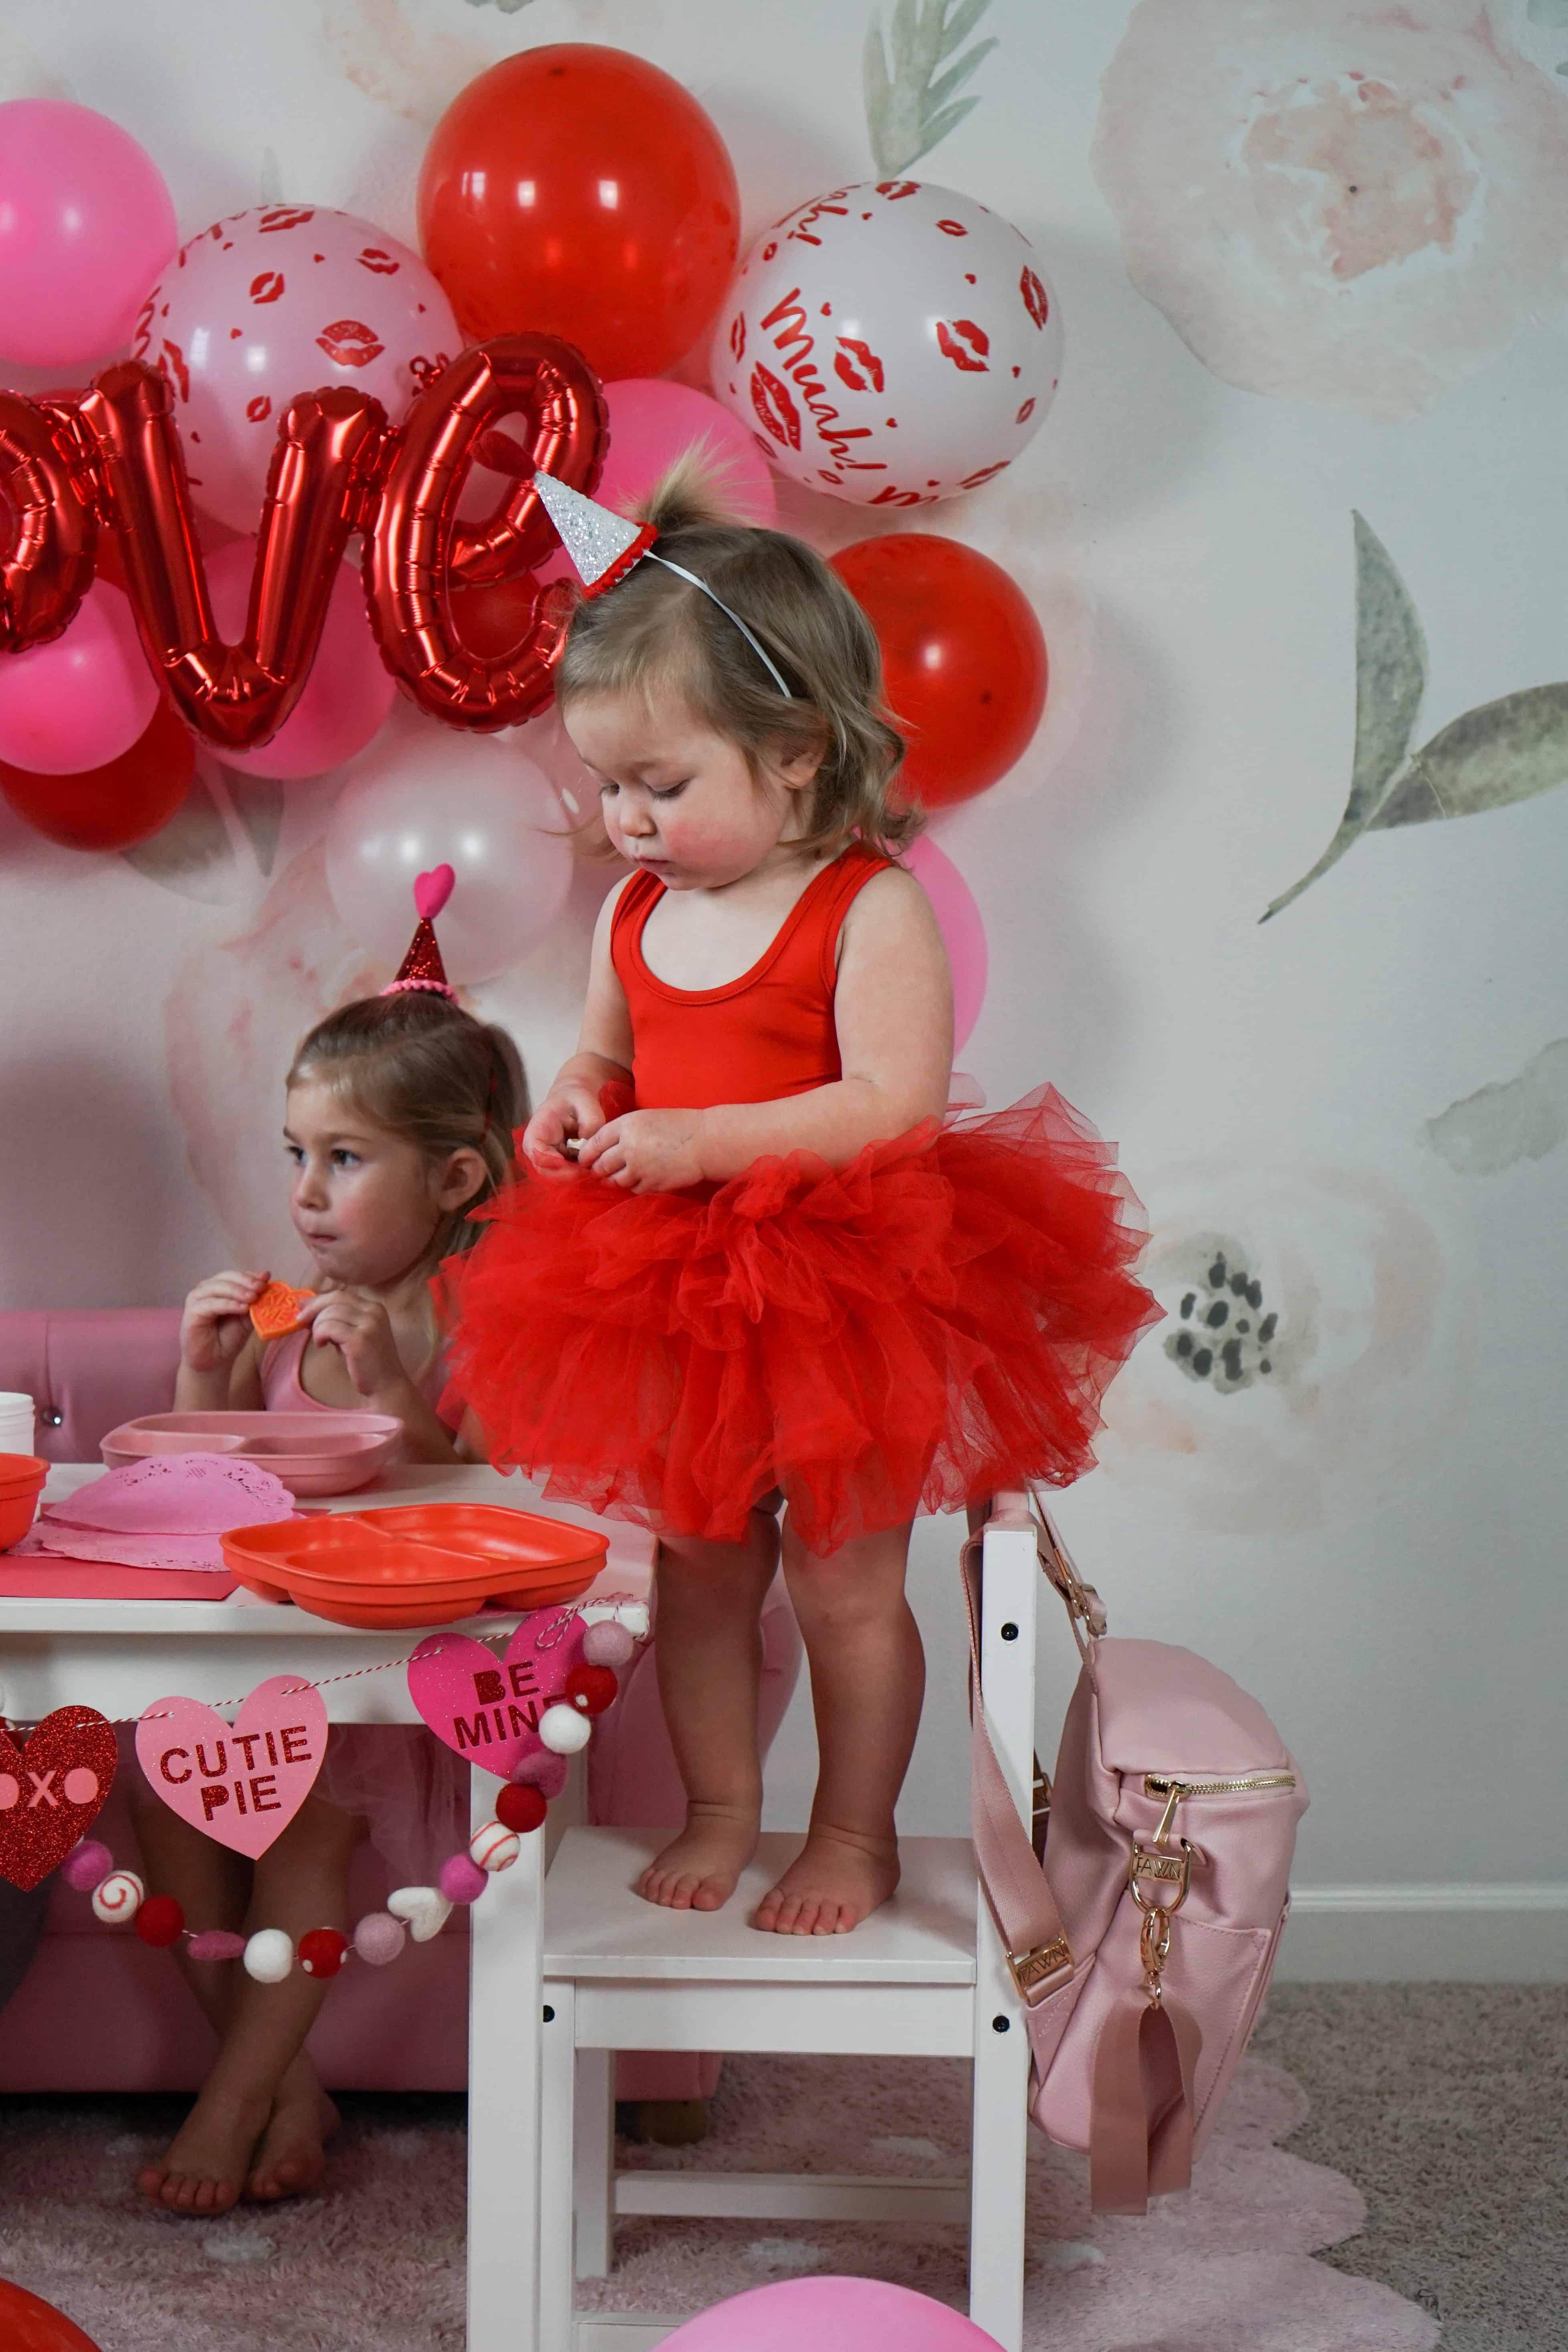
(696, 1872)
(291, 2157)
(835, 1882)
(205, 2169)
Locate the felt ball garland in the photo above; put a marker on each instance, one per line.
(269, 1956)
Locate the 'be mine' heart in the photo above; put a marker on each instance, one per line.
(241, 1787)
(51, 1787)
(488, 1712)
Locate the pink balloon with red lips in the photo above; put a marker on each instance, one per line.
(890, 344)
(281, 299)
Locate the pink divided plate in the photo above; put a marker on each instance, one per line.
(311, 1452)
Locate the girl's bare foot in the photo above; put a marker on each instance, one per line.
(209, 2157)
(293, 2154)
(696, 1872)
(834, 1881)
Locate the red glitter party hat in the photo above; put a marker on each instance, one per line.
(422, 966)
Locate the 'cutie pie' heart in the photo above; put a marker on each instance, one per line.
(488, 1711)
(51, 1787)
(241, 1787)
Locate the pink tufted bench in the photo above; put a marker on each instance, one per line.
(98, 2011)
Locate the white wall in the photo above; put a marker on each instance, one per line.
(1375, 1546)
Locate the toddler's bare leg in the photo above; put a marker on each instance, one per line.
(710, 1656)
(260, 2086)
(868, 1679)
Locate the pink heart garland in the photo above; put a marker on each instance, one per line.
(241, 1787)
(432, 890)
(488, 1711)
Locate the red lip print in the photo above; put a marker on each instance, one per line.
(973, 481)
(952, 228)
(892, 498)
(1024, 413)
(172, 363)
(268, 287)
(383, 264)
(965, 344)
(771, 401)
(259, 409)
(350, 343)
(51, 1787)
(867, 376)
(738, 336)
(1035, 300)
(286, 216)
(894, 189)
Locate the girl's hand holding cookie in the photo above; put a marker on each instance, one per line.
(646, 1150)
(569, 1114)
(359, 1325)
(215, 1323)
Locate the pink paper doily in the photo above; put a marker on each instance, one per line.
(202, 1552)
(175, 1494)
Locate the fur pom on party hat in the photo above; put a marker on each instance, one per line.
(422, 967)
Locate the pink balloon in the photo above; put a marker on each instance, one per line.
(834, 2315)
(653, 423)
(424, 796)
(85, 225)
(82, 699)
(962, 933)
(349, 691)
(274, 302)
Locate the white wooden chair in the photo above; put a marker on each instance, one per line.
(923, 1977)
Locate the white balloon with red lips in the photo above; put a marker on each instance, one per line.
(278, 300)
(891, 343)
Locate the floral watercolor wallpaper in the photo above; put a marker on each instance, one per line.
(1276, 893)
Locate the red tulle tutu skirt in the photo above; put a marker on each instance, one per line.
(935, 1322)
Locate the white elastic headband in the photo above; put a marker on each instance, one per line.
(650, 556)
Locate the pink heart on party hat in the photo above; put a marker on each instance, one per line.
(432, 890)
(241, 1787)
(489, 1710)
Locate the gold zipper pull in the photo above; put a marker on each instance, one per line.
(1178, 1790)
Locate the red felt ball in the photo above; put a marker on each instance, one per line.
(160, 1921)
(521, 1808)
(591, 1689)
(322, 1951)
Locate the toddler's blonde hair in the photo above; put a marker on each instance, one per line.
(655, 630)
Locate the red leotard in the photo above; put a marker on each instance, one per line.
(935, 1322)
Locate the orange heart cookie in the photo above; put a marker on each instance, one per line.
(276, 1312)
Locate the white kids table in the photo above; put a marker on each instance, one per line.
(118, 1655)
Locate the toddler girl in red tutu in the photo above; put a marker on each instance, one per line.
(752, 1263)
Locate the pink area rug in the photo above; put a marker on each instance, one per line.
(375, 2264)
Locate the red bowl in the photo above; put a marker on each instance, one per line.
(22, 1477)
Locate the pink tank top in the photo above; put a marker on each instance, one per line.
(282, 1389)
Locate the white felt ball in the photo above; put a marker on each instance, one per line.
(269, 1956)
(607, 1643)
(117, 1896)
(563, 1729)
(494, 1847)
(426, 1911)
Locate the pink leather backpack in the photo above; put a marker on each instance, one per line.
(1141, 1927)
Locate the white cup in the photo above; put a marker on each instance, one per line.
(18, 1428)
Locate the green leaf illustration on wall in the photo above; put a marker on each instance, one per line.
(507, 7)
(910, 106)
(1500, 753)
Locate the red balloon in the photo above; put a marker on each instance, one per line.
(113, 807)
(579, 190)
(964, 659)
(47, 529)
(29, 2325)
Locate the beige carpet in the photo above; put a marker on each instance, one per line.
(1443, 2107)
(1447, 2105)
